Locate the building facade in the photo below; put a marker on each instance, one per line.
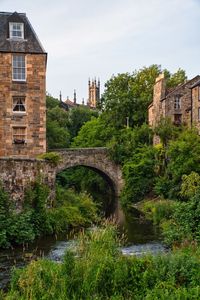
(181, 104)
(22, 88)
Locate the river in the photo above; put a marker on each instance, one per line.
(142, 238)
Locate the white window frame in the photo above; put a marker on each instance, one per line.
(20, 30)
(19, 138)
(17, 68)
(177, 102)
(22, 99)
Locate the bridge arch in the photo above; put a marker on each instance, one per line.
(97, 159)
(18, 173)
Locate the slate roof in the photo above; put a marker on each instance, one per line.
(30, 43)
(195, 84)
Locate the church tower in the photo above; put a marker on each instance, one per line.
(94, 93)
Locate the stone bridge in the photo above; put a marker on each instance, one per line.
(18, 173)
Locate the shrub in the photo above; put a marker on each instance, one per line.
(139, 176)
(52, 157)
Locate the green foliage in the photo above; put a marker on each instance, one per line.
(128, 95)
(125, 142)
(94, 133)
(190, 185)
(159, 210)
(5, 218)
(51, 102)
(36, 199)
(100, 271)
(175, 79)
(183, 158)
(71, 210)
(185, 221)
(84, 179)
(36, 219)
(139, 175)
(167, 131)
(180, 221)
(52, 157)
(78, 116)
(57, 137)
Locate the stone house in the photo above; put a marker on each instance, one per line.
(180, 104)
(22, 88)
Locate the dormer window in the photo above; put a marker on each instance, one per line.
(16, 30)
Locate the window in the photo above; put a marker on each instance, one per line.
(199, 114)
(19, 104)
(177, 119)
(18, 68)
(19, 135)
(177, 102)
(16, 30)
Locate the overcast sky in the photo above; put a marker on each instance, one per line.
(88, 38)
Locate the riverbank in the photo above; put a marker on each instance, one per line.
(100, 271)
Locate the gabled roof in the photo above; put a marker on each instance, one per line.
(30, 43)
(195, 84)
(70, 103)
(188, 84)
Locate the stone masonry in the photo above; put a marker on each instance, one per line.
(181, 104)
(22, 88)
(16, 174)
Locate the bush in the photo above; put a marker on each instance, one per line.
(159, 210)
(71, 210)
(139, 174)
(52, 157)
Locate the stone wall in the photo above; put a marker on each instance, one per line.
(34, 118)
(18, 174)
(196, 107)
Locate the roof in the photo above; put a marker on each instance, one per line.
(70, 103)
(63, 105)
(195, 84)
(188, 83)
(30, 43)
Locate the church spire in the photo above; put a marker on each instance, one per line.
(60, 97)
(74, 96)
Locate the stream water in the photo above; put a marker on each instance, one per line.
(142, 238)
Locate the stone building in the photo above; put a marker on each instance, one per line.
(180, 104)
(93, 97)
(22, 88)
(94, 93)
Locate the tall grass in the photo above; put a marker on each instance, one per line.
(100, 272)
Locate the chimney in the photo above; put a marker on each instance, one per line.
(159, 88)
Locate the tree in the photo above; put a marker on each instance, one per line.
(128, 95)
(94, 133)
(78, 116)
(57, 137)
(173, 80)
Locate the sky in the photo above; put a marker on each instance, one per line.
(89, 38)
